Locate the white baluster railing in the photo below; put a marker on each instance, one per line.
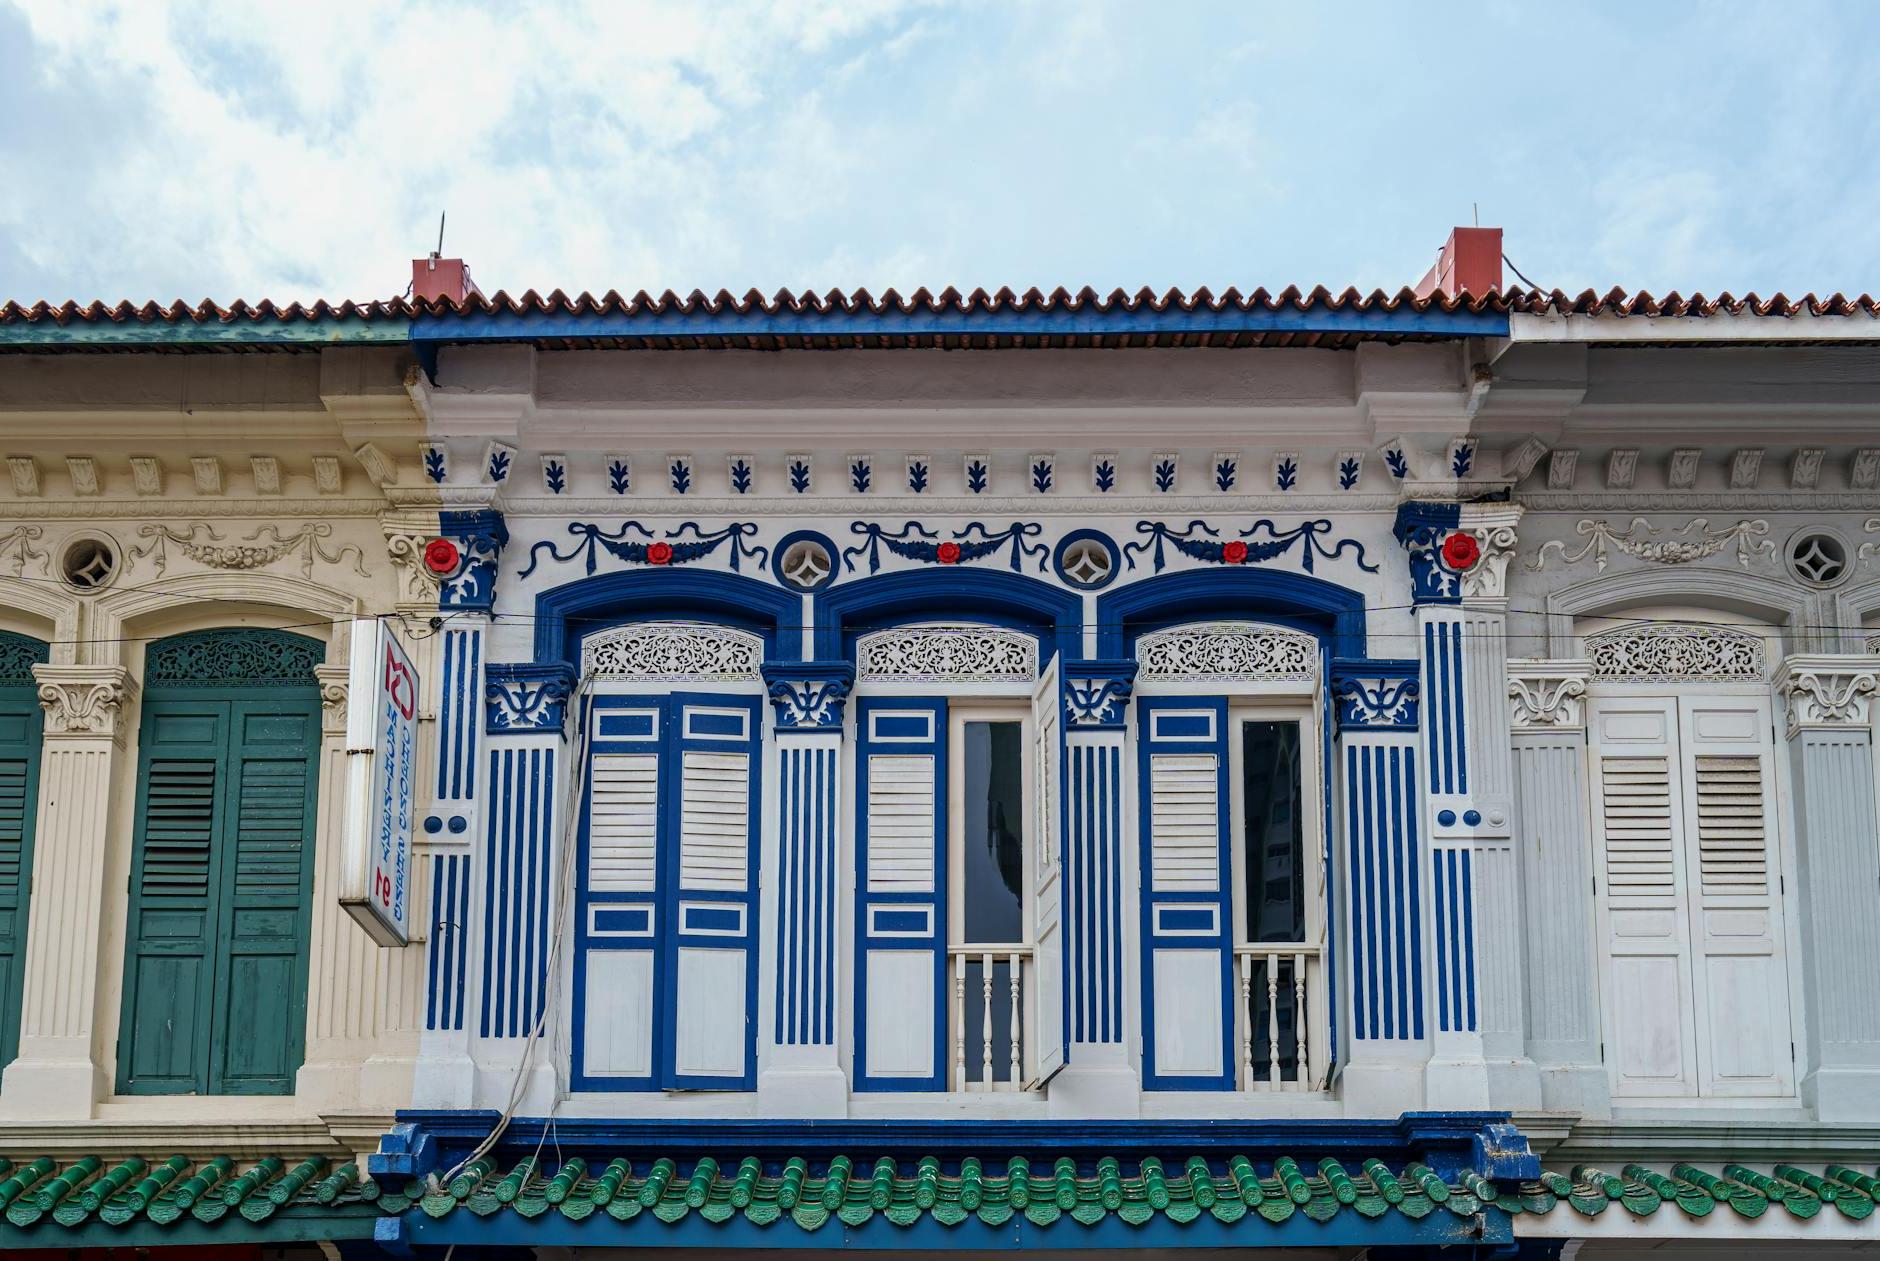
(1000, 1067)
(1266, 973)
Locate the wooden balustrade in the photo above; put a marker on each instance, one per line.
(1000, 1068)
(1279, 987)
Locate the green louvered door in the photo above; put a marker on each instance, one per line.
(215, 985)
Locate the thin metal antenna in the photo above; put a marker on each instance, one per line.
(439, 251)
(1475, 212)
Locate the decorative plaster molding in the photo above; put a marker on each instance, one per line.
(1492, 526)
(84, 700)
(84, 473)
(326, 474)
(1548, 695)
(1561, 466)
(208, 473)
(333, 697)
(809, 696)
(406, 536)
(103, 509)
(1745, 468)
(266, 545)
(1228, 650)
(526, 698)
(1699, 501)
(1827, 691)
(932, 506)
(1640, 540)
(1096, 694)
(1676, 652)
(146, 475)
(1377, 695)
(267, 473)
(960, 653)
(16, 547)
(674, 652)
(25, 476)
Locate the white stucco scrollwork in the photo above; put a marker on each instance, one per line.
(1642, 541)
(1547, 695)
(264, 546)
(1227, 650)
(676, 651)
(83, 700)
(1828, 691)
(956, 653)
(1674, 651)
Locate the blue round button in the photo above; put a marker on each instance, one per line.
(1446, 817)
(433, 824)
(1472, 817)
(458, 823)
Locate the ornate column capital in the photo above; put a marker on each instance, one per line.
(333, 694)
(1376, 695)
(1824, 691)
(445, 559)
(84, 700)
(527, 698)
(1096, 694)
(1548, 695)
(1458, 553)
(809, 696)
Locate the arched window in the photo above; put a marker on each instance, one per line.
(215, 969)
(1232, 812)
(666, 904)
(1687, 858)
(958, 775)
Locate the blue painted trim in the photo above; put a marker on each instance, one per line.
(1056, 321)
(1215, 742)
(1420, 527)
(481, 536)
(1376, 695)
(865, 901)
(1093, 924)
(1333, 613)
(1382, 834)
(806, 899)
(517, 880)
(784, 544)
(526, 698)
(948, 593)
(1077, 536)
(566, 614)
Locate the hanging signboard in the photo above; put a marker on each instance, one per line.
(382, 783)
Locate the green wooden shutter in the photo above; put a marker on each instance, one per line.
(19, 790)
(164, 1043)
(260, 1013)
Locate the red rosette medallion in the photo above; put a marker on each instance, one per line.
(659, 553)
(1461, 551)
(948, 553)
(1234, 553)
(441, 556)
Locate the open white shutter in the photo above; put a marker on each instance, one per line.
(1643, 918)
(901, 911)
(1740, 967)
(1051, 1043)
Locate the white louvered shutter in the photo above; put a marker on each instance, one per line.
(1050, 1046)
(715, 820)
(901, 905)
(623, 822)
(1187, 953)
(1739, 955)
(1643, 919)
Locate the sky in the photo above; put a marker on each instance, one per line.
(154, 150)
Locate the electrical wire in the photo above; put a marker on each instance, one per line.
(551, 962)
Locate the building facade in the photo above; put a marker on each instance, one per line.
(1305, 772)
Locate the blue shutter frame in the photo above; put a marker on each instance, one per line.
(1180, 919)
(894, 921)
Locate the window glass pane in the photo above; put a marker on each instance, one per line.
(994, 832)
(1274, 859)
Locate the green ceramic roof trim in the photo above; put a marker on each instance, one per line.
(851, 1192)
(173, 1190)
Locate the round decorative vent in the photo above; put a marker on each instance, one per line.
(89, 563)
(1087, 559)
(806, 564)
(1818, 557)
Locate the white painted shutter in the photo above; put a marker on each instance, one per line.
(1184, 829)
(1643, 921)
(1188, 912)
(714, 821)
(901, 841)
(623, 823)
(1740, 962)
(1050, 1045)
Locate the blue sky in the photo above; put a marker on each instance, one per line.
(152, 150)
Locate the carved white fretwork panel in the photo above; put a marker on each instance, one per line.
(1669, 652)
(1227, 650)
(951, 653)
(677, 651)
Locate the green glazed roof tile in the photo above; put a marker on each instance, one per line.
(41, 1192)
